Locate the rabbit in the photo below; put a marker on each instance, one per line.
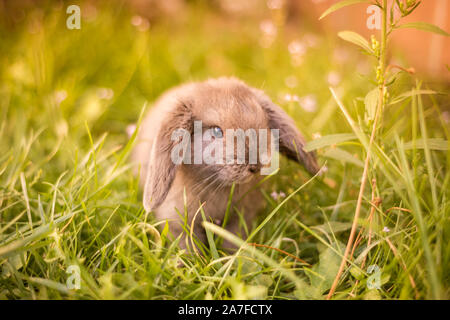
(172, 189)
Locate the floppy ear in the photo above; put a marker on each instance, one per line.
(291, 140)
(161, 169)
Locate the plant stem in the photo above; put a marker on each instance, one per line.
(380, 107)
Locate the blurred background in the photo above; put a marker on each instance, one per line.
(68, 97)
(129, 52)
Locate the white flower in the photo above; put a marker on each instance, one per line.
(60, 96)
(386, 229)
(268, 28)
(291, 97)
(333, 78)
(308, 103)
(296, 48)
(136, 20)
(275, 195)
(105, 93)
(291, 81)
(140, 23)
(130, 130)
(274, 4)
(269, 33)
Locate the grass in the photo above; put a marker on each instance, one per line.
(68, 195)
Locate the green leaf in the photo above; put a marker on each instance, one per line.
(342, 155)
(328, 140)
(324, 272)
(424, 26)
(372, 295)
(210, 238)
(164, 233)
(333, 227)
(340, 5)
(307, 292)
(357, 39)
(371, 102)
(14, 262)
(357, 274)
(432, 144)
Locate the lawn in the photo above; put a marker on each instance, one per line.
(69, 199)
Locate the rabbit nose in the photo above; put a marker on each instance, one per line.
(253, 168)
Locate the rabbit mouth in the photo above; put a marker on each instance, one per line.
(245, 179)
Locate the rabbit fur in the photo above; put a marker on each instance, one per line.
(171, 190)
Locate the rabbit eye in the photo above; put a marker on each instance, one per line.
(217, 132)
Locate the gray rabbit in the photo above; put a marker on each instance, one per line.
(219, 105)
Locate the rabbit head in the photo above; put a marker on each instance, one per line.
(212, 116)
